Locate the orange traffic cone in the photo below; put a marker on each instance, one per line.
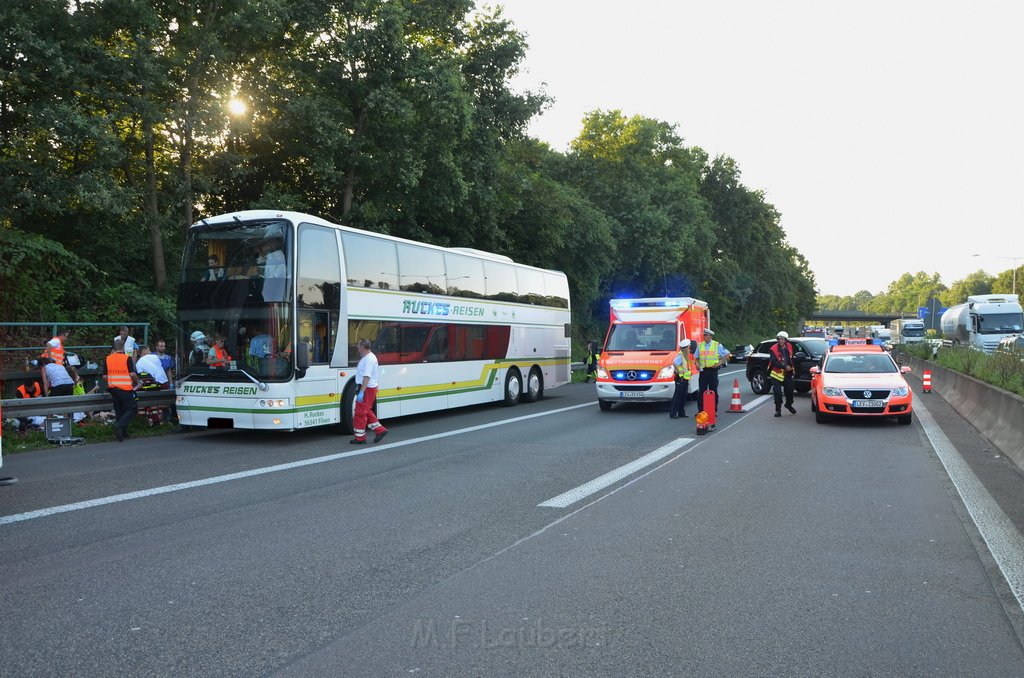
(926, 381)
(736, 405)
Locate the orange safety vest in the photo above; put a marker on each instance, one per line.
(220, 358)
(57, 353)
(117, 372)
(24, 392)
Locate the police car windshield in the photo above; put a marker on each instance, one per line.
(860, 363)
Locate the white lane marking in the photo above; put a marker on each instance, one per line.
(128, 496)
(1001, 536)
(601, 482)
(757, 401)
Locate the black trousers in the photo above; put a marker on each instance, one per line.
(679, 398)
(125, 408)
(708, 380)
(778, 387)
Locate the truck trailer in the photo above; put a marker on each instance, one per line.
(983, 321)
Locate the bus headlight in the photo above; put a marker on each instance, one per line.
(273, 403)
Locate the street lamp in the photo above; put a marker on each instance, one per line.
(1012, 259)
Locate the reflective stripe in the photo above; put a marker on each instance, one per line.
(683, 369)
(57, 354)
(708, 354)
(117, 372)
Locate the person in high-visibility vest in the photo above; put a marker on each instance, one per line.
(591, 362)
(122, 380)
(55, 347)
(683, 363)
(218, 355)
(781, 371)
(710, 357)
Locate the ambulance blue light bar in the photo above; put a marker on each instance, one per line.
(620, 304)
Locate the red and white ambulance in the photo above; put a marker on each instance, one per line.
(643, 337)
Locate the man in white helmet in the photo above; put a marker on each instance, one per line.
(199, 349)
(684, 369)
(781, 370)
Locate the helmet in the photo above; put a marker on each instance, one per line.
(197, 336)
(685, 343)
(782, 334)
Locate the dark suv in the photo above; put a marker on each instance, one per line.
(807, 352)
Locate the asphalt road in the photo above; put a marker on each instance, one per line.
(768, 547)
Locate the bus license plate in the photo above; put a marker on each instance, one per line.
(869, 403)
(631, 394)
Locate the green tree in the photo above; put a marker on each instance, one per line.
(978, 282)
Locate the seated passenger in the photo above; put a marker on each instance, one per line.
(218, 355)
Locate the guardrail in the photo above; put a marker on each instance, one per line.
(90, 402)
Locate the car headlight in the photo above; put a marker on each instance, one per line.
(900, 391)
(666, 372)
(832, 392)
(601, 374)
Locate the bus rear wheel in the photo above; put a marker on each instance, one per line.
(513, 387)
(534, 386)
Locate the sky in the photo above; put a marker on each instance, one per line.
(889, 135)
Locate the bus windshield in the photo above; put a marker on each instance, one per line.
(236, 287)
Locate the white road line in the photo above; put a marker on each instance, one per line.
(757, 401)
(1004, 541)
(601, 482)
(128, 496)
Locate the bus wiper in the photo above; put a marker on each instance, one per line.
(259, 384)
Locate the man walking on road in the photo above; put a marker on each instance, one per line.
(367, 374)
(710, 357)
(780, 364)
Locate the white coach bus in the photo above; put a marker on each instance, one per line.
(282, 298)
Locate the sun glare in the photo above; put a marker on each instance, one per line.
(237, 107)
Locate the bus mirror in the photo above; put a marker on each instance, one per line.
(302, 356)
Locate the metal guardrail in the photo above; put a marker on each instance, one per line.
(90, 402)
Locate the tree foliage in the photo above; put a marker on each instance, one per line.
(395, 116)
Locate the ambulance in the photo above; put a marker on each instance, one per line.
(643, 338)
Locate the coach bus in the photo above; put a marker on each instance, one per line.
(285, 297)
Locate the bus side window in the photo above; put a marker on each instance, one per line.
(437, 349)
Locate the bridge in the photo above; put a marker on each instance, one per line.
(856, 317)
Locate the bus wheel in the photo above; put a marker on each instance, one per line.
(534, 387)
(513, 387)
(348, 408)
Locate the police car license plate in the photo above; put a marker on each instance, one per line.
(869, 403)
(631, 394)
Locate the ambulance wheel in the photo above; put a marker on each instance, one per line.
(513, 387)
(605, 405)
(534, 387)
(759, 382)
(348, 408)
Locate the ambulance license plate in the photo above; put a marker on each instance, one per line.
(631, 394)
(869, 403)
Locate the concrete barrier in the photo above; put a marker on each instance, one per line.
(997, 414)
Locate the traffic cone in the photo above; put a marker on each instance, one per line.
(736, 405)
(926, 381)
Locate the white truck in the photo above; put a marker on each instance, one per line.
(907, 331)
(881, 334)
(983, 321)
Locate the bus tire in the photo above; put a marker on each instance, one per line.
(534, 386)
(348, 408)
(513, 386)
